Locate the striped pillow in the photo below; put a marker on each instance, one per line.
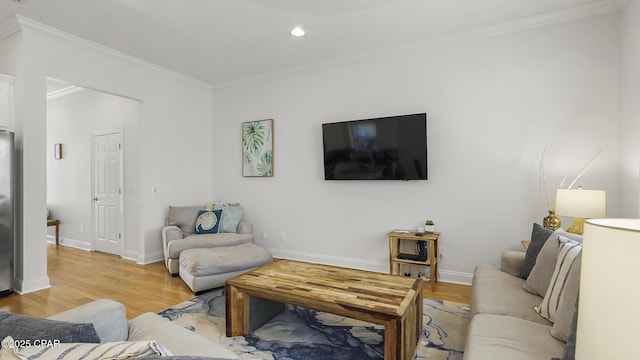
(567, 254)
(87, 351)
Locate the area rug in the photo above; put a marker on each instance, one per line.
(303, 334)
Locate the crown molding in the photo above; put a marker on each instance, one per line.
(504, 28)
(13, 24)
(64, 91)
(556, 17)
(26, 23)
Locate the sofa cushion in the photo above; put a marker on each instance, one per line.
(222, 260)
(208, 222)
(22, 327)
(539, 236)
(496, 292)
(174, 338)
(511, 262)
(175, 247)
(540, 276)
(567, 255)
(184, 217)
(498, 337)
(108, 317)
(87, 351)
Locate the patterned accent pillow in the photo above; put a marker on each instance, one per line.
(567, 305)
(32, 328)
(208, 222)
(111, 350)
(540, 276)
(568, 256)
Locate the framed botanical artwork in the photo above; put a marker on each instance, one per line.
(257, 148)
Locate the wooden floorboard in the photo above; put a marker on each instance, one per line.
(79, 276)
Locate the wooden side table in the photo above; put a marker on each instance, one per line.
(395, 238)
(56, 223)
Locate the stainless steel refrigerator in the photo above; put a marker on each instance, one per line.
(7, 166)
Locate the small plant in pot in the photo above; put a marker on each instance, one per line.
(429, 226)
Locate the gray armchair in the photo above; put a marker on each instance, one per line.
(179, 235)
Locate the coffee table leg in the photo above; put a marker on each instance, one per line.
(237, 311)
(392, 340)
(402, 335)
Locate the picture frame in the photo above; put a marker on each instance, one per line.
(257, 148)
(57, 151)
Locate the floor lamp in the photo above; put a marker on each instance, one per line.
(608, 316)
(581, 204)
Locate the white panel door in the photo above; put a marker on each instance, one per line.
(107, 190)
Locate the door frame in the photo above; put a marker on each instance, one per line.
(120, 132)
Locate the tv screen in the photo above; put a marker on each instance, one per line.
(388, 148)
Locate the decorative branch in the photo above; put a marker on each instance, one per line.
(586, 167)
(542, 177)
(542, 181)
(566, 173)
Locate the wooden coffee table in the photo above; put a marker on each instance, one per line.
(389, 300)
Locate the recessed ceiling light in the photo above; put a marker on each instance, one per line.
(297, 31)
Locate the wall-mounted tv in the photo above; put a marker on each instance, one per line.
(387, 148)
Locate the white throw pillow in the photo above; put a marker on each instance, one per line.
(567, 256)
(87, 351)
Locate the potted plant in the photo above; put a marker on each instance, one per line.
(429, 226)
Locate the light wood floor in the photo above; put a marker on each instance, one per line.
(78, 277)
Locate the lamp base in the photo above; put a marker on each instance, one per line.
(577, 227)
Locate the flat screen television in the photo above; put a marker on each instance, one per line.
(387, 148)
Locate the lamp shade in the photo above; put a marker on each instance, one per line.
(581, 203)
(608, 316)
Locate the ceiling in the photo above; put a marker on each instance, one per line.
(217, 41)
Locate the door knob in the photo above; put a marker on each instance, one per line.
(95, 199)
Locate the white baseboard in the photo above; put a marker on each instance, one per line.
(131, 255)
(128, 254)
(375, 266)
(454, 277)
(448, 276)
(27, 286)
(78, 244)
(144, 259)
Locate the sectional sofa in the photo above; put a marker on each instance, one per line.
(146, 334)
(510, 305)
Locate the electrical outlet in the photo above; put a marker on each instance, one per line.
(263, 235)
(443, 252)
(81, 228)
(283, 236)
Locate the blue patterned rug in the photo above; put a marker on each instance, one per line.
(303, 334)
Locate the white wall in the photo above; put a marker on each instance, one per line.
(493, 104)
(174, 125)
(10, 53)
(630, 108)
(71, 119)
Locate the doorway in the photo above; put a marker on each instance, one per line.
(76, 119)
